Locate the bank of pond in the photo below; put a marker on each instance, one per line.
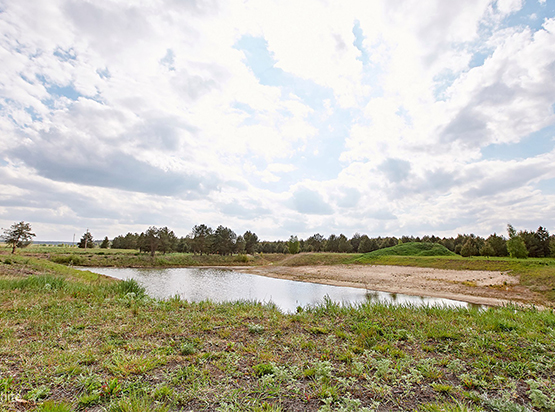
(225, 285)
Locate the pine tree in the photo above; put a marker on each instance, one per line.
(86, 241)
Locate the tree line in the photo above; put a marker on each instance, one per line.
(202, 240)
(224, 241)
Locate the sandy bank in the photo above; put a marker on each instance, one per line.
(480, 287)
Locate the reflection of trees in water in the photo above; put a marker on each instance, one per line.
(372, 296)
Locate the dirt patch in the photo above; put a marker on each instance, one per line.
(480, 287)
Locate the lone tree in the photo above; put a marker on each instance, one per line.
(86, 241)
(515, 244)
(105, 243)
(294, 245)
(18, 235)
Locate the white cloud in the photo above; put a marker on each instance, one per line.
(144, 110)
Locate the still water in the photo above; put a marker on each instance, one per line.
(221, 285)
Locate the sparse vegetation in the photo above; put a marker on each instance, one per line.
(74, 340)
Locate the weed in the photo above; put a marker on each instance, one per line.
(255, 328)
(130, 286)
(137, 403)
(38, 393)
(263, 369)
(446, 407)
(503, 405)
(346, 404)
(111, 388)
(163, 392)
(187, 348)
(88, 400)
(539, 399)
(442, 388)
(51, 406)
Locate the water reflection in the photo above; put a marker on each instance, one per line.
(219, 285)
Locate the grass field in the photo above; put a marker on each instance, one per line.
(72, 340)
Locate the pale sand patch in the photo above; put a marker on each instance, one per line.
(480, 287)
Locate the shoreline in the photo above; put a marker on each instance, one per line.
(475, 287)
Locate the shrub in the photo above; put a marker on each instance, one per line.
(127, 286)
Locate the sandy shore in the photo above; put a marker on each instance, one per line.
(480, 287)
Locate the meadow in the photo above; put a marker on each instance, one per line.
(73, 340)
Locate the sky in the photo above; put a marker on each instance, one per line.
(382, 117)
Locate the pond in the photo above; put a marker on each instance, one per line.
(224, 285)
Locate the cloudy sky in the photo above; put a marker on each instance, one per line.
(384, 117)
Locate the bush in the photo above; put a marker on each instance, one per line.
(127, 286)
(72, 260)
(517, 248)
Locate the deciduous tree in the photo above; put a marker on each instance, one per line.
(18, 235)
(515, 244)
(294, 245)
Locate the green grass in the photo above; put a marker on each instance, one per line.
(412, 249)
(68, 342)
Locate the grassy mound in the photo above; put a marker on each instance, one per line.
(413, 249)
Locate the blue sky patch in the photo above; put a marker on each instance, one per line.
(547, 186)
(532, 15)
(168, 60)
(34, 115)
(537, 143)
(65, 55)
(251, 119)
(479, 58)
(63, 91)
(358, 43)
(259, 59)
(442, 82)
(104, 73)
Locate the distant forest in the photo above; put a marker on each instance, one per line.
(224, 241)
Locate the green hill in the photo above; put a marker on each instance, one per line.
(413, 249)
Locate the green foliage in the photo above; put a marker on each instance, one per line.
(263, 369)
(38, 393)
(87, 241)
(130, 286)
(223, 241)
(188, 348)
(469, 248)
(105, 243)
(517, 248)
(413, 249)
(73, 260)
(446, 407)
(251, 242)
(503, 405)
(52, 406)
(137, 403)
(255, 328)
(293, 245)
(487, 250)
(538, 396)
(242, 258)
(19, 235)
